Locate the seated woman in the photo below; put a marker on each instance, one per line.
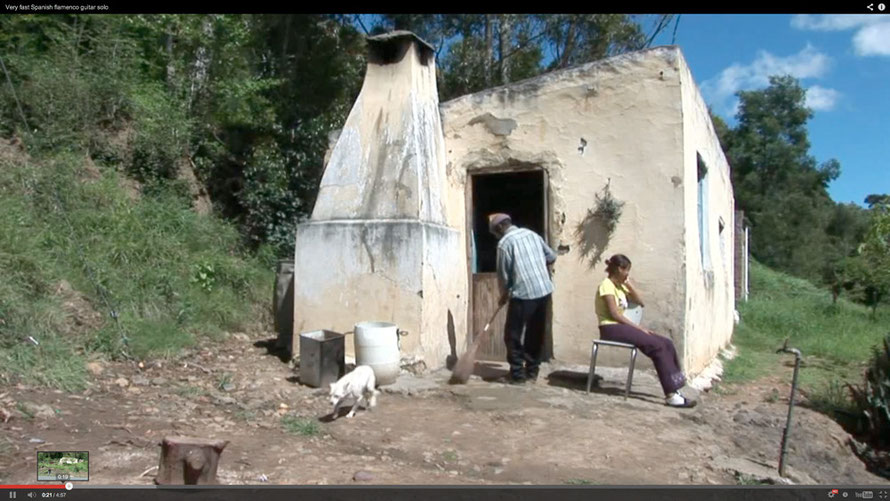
(611, 301)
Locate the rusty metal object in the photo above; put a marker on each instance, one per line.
(787, 432)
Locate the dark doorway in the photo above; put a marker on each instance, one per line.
(519, 194)
(523, 195)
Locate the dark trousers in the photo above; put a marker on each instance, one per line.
(659, 348)
(530, 314)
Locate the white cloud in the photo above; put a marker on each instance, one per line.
(873, 40)
(872, 36)
(832, 22)
(822, 99)
(808, 63)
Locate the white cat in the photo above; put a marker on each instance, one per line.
(355, 388)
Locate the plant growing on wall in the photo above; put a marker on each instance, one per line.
(595, 231)
(608, 209)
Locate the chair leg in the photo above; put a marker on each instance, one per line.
(592, 366)
(630, 372)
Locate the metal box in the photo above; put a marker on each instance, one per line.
(322, 357)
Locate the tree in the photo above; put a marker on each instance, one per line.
(478, 51)
(579, 38)
(873, 260)
(846, 230)
(875, 200)
(777, 183)
(285, 86)
(248, 101)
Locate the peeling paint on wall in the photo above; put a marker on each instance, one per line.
(497, 126)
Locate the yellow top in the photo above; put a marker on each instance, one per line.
(608, 288)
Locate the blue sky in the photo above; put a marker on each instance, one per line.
(842, 60)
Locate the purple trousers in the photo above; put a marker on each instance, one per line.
(659, 348)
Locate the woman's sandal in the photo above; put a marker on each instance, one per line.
(687, 404)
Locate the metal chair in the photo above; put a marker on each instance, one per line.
(634, 312)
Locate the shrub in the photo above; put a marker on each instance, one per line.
(872, 399)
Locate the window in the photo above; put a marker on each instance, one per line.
(703, 234)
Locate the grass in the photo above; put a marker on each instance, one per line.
(306, 427)
(29, 415)
(168, 274)
(223, 381)
(245, 414)
(835, 340)
(743, 479)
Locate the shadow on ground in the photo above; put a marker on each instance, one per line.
(272, 348)
(489, 371)
(577, 381)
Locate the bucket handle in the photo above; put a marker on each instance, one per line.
(399, 332)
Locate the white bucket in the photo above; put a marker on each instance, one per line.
(634, 313)
(377, 345)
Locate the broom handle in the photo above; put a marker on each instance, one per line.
(478, 339)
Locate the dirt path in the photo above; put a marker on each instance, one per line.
(423, 431)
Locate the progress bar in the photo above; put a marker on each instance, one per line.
(38, 486)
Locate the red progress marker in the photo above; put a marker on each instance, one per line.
(41, 486)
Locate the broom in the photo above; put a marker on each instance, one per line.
(463, 368)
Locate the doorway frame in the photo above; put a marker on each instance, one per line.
(469, 206)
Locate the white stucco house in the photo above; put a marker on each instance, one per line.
(399, 234)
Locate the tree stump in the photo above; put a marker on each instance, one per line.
(189, 461)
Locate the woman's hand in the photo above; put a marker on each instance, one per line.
(632, 292)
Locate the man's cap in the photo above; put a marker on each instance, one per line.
(496, 219)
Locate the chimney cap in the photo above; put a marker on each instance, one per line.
(391, 36)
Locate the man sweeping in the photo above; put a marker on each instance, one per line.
(524, 280)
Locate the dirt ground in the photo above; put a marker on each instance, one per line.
(423, 430)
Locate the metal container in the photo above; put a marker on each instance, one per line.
(322, 357)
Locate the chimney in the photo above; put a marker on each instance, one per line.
(378, 246)
(386, 163)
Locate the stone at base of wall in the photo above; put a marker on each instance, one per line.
(705, 379)
(413, 365)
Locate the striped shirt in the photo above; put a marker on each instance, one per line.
(522, 264)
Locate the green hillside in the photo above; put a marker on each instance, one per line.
(835, 339)
(80, 246)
